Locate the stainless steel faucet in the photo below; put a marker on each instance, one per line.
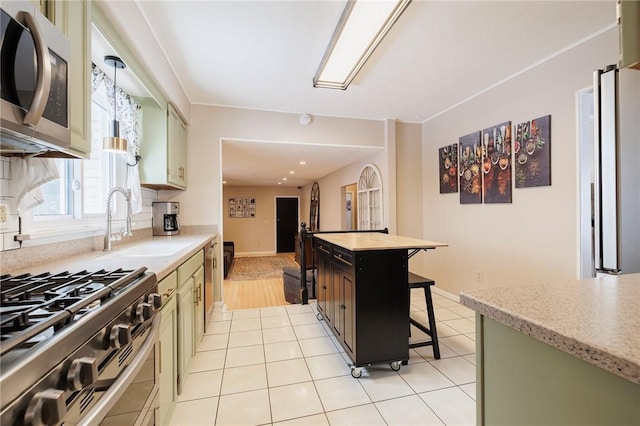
(127, 230)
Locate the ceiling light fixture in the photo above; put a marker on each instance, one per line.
(362, 26)
(114, 143)
(303, 162)
(284, 178)
(291, 172)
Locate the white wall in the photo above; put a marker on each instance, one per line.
(201, 204)
(534, 239)
(254, 235)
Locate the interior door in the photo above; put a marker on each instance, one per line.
(286, 224)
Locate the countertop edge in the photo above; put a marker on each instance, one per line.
(598, 357)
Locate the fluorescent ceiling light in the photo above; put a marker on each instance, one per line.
(362, 26)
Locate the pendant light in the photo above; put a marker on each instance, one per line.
(114, 143)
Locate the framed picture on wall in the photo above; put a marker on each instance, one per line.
(242, 207)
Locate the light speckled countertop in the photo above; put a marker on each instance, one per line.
(376, 241)
(596, 320)
(125, 255)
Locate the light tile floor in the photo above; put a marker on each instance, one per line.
(280, 366)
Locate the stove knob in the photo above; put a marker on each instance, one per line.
(144, 311)
(46, 408)
(155, 300)
(120, 335)
(82, 372)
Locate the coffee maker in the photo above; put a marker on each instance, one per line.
(165, 218)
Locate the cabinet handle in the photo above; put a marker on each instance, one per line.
(160, 356)
(343, 307)
(168, 294)
(324, 287)
(200, 294)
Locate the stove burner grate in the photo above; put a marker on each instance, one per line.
(35, 304)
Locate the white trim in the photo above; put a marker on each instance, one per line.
(446, 294)
(254, 253)
(525, 69)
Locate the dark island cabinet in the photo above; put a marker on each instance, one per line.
(363, 296)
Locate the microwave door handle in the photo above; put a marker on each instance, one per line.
(43, 77)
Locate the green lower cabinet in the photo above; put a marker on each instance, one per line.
(185, 330)
(522, 381)
(168, 359)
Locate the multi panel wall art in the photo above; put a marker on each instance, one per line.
(483, 164)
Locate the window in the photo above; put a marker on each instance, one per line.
(57, 194)
(81, 191)
(370, 198)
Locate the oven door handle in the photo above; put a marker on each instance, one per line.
(110, 397)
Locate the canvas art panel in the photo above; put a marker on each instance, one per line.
(532, 153)
(470, 157)
(448, 167)
(496, 163)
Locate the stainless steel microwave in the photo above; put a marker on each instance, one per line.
(34, 82)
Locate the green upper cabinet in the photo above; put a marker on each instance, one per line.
(163, 147)
(73, 18)
(176, 148)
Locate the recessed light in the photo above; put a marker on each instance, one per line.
(284, 178)
(224, 182)
(303, 162)
(279, 183)
(291, 172)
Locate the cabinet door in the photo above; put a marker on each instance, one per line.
(181, 153)
(324, 283)
(347, 298)
(74, 20)
(176, 148)
(185, 329)
(337, 305)
(198, 303)
(168, 357)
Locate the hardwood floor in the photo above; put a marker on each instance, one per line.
(254, 294)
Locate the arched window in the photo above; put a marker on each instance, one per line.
(370, 212)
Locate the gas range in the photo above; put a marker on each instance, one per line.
(69, 340)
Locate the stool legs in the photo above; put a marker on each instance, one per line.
(431, 331)
(432, 322)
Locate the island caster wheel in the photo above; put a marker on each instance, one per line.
(356, 373)
(319, 316)
(395, 365)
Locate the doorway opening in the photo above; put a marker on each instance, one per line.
(287, 218)
(349, 197)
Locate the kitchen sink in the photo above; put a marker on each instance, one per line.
(152, 249)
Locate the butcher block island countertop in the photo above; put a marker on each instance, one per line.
(359, 241)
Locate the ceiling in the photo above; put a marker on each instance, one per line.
(263, 55)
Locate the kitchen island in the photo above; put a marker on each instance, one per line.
(563, 353)
(363, 294)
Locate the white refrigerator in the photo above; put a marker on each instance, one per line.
(616, 208)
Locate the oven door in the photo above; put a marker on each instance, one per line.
(133, 398)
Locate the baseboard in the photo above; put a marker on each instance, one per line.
(446, 294)
(255, 253)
